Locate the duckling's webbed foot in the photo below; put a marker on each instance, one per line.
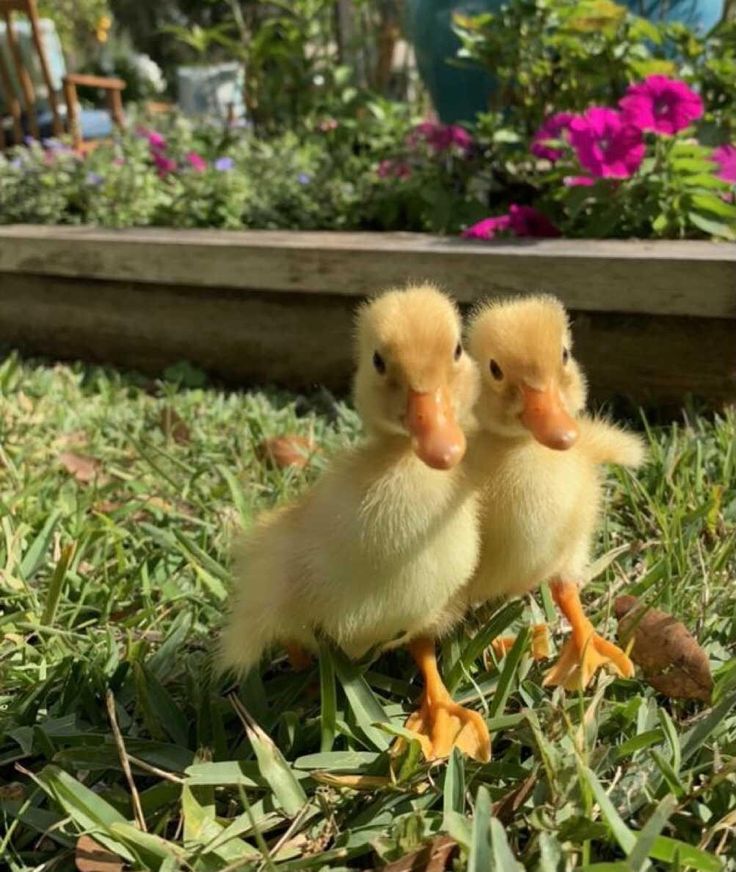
(585, 652)
(440, 723)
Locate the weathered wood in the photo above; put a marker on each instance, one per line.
(657, 277)
(300, 341)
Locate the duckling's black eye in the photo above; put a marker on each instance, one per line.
(379, 363)
(496, 371)
(565, 356)
(458, 351)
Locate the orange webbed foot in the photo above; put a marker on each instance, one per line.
(442, 724)
(576, 666)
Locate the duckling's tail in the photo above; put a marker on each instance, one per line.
(260, 593)
(605, 442)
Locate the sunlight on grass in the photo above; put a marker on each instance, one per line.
(115, 516)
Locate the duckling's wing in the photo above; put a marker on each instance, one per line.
(605, 442)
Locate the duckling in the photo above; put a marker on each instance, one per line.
(535, 458)
(373, 553)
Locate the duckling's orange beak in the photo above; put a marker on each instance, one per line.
(545, 417)
(437, 438)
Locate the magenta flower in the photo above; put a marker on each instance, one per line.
(725, 157)
(441, 137)
(661, 104)
(527, 221)
(155, 140)
(520, 221)
(393, 169)
(556, 127)
(607, 146)
(487, 228)
(196, 161)
(164, 165)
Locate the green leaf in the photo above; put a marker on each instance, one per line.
(362, 701)
(36, 553)
(712, 227)
(714, 204)
(328, 698)
(511, 663)
(453, 793)
(621, 832)
(479, 859)
(639, 854)
(164, 716)
(274, 769)
(337, 761)
(231, 772)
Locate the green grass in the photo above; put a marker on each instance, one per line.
(120, 584)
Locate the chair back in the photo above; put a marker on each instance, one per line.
(23, 40)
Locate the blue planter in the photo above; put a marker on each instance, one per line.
(458, 93)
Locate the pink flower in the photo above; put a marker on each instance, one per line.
(164, 165)
(156, 141)
(607, 146)
(196, 162)
(578, 182)
(555, 127)
(487, 228)
(441, 137)
(725, 157)
(393, 169)
(520, 221)
(661, 104)
(527, 221)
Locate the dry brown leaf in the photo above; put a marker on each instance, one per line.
(72, 439)
(13, 792)
(505, 808)
(283, 451)
(84, 468)
(174, 427)
(91, 856)
(669, 656)
(434, 857)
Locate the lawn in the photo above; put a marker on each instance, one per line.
(118, 498)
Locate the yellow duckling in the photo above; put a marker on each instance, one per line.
(373, 553)
(535, 459)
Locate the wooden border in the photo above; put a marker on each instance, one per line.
(652, 321)
(654, 278)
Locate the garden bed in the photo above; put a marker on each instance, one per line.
(653, 320)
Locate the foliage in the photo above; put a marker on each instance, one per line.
(82, 25)
(114, 579)
(556, 61)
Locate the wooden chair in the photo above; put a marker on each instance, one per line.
(23, 106)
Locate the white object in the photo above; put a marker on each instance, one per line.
(211, 90)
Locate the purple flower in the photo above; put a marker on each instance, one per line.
(304, 178)
(441, 137)
(196, 161)
(554, 128)
(29, 140)
(94, 180)
(488, 227)
(607, 146)
(393, 169)
(661, 104)
(16, 163)
(527, 221)
(164, 165)
(224, 164)
(725, 157)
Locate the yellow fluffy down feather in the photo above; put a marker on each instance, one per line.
(375, 551)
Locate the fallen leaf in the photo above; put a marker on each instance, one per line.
(84, 468)
(434, 857)
(72, 439)
(284, 451)
(505, 808)
(14, 791)
(669, 656)
(174, 427)
(91, 856)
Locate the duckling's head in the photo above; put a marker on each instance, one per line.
(413, 377)
(530, 383)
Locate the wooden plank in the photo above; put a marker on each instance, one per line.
(656, 277)
(301, 341)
